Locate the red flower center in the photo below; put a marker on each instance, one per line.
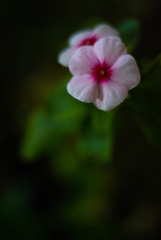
(101, 73)
(88, 41)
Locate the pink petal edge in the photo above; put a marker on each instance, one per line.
(83, 88)
(104, 30)
(111, 94)
(125, 71)
(65, 55)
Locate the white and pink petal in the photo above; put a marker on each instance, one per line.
(83, 61)
(83, 88)
(104, 30)
(125, 71)
(109, 49)
(65, 56)
(110, 95)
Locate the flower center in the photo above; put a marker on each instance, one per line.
(101, 73)
(88, 41)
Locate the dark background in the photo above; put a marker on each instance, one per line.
(34, 199)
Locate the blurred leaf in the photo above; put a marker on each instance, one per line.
(37, 134)
(91, 197)
(47, 127)
(97, 136)
(146, 106)
(129, 33)
(151, 66)
(67, 163)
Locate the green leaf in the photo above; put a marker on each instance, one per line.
(37, 134)
(98, 135)
(145, 103)
(47, 128)
(150, 67)
(129, 33)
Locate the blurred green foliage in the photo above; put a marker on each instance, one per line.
(129, 33)
(146, 102)
(61, 117)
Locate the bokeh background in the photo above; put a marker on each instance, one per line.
(68, 170)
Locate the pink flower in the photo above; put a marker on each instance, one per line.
(83, 38)
(103, 74)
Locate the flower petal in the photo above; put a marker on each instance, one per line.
(65, 56)
(78, 37)
(109, 49)
(104, 31)
(125, 71)
(83, 61)
(111, 94)
(83, 88)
